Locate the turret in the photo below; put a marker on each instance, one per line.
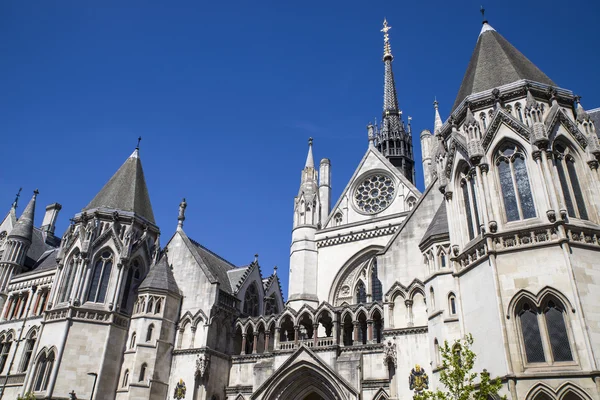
(303, 253)
(325, 189)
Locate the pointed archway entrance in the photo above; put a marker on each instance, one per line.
(304, 376)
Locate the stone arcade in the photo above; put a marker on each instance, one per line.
(503, 243)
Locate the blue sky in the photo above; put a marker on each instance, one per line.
(225, 96)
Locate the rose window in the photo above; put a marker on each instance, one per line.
(375, 194)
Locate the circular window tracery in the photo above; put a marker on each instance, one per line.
(375, 193)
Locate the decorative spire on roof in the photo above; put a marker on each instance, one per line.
(181, 216)
(24, 227)
(310, 162)
(437, 125)
(126, 190)
(15, 203)
(392, 140)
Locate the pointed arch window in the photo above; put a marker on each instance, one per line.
(251, 301)
(569, 182)
(376, 287)
(557, 332)
(337, 219)
(131, 284)
(149, 333)
(100, 277)
(532, 339)
(28, 351)
(514, 183)
(271, 305)
(452, 304)
(483, 120)
(143, 372)
(68, 278)
(469, 199)
(43, 371)
(361, 293)
(132, 341)
(519, 112)
(436, 350)
(442, 259)
(125, 378)
(6, 345)
(432, 298)
(158, 306)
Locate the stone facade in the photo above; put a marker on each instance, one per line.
(503, 244)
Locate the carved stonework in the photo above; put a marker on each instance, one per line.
(551, 215)
(202, 363)
(389, 353)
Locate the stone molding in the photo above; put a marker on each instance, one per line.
(355, 236)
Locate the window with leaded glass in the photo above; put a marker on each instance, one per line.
(68, 278)
(361, 293)
(6, 345)
(530, 329)
(100, 277)
(469, 199)
(376, 287)
(27, 352)
(569, 182)
(557, 332)
(251, 301)
(514, 183)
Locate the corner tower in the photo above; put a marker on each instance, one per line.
(303, 252)
(392, 139)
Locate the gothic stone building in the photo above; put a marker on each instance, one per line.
(503, 243)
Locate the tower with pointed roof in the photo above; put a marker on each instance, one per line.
(393, 139)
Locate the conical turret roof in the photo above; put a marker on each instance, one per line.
(24, 226)
(160, 277)
(126, 190)
(496, 62)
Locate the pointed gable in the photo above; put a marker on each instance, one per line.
(160, 277)
(495, 62)
(126, 191)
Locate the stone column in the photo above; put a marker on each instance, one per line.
(335, 332)
(296, 334)
(409, 313)
(315, 334)
(243, 343)
(254, 342)
(193, 331)
(267, 340)
(276, 338)
(370, 331)
(549, 178)
(9, 303)
(82, 283)
(355, 331)
(391, 315)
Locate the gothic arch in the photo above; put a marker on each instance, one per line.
(543, 295)
(570, 388)
(357, 260)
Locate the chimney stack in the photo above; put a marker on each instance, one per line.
(50, 217)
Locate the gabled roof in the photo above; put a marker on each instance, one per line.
(438, 226)
(495, 62)
(126, 190)
(160, 277)
(215, 266)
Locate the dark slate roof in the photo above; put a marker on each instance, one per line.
(46, 261)
(126, 190)
(439, 224)
(39, 246)
(24, 225)
(215, 265)
(496, 62)
(595, 115)
(160, 277)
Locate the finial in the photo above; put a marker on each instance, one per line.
(256, 258)
(36, 192)
(181, 216)
(482, 11)
(310, 140)
(15, 204)
(387, 50)
(138, 143)
(435, 102)
(275, 270)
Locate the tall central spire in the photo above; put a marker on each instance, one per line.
(392, 140)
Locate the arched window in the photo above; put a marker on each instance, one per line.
(514, 183)
(452, 304)
(519, 112)
(271, 305)
(432, 298)
(100, 277)
(125, 378)
(43, 371)
(150, 306)
(469, 199)
(132, 341)
(6, 345)
(337, 219)
(436, 351)
(158, 306)
(557, 332)
(27, 351)
(530, 329)
(483, 120)
(251, 301)
(442, 259)
(569, 182)
(376, 287)
(149, 333)
(361, 293)
(143, 372)
(68, 278)
(131, 283)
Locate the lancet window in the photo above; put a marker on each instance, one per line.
(569, 182)
(43, 371)
(470, 204)
(28, 351)
(69, 277)
(5, 344)
(361, 293)
(100, 277)
(251, 303)
(514, 183)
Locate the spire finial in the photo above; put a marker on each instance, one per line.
(15, 204)
(482, 11)
(310, 140)
(256, 258)
(310, 163)
(36, 192)
(387, 50)
(181, 216)
(138, 143)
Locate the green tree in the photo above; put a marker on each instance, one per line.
(27, 396)
(458, 378)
